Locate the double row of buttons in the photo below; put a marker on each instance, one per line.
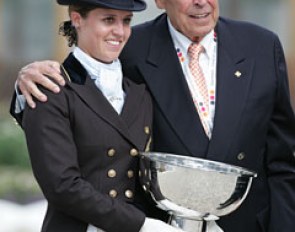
(112, 173)
(128, 193)
(112, 152)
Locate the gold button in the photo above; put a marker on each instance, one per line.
(241, 156)
(112, 173)
(113, 193)
(111, 152)
(133, 152)
(128, 193)
(130, 173)
(147, 130)
(139, 173)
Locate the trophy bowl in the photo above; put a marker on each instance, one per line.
(204, 187)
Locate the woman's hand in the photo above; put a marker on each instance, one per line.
(153, 225)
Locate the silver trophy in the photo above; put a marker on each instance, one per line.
(200, 190)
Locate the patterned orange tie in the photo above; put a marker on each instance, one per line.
(194, 51)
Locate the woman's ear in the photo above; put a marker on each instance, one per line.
(76, 19)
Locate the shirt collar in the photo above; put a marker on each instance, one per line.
(183, 43)
(94, 67)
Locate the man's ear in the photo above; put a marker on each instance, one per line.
(160, 4)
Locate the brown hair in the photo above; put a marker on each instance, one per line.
(67, 29)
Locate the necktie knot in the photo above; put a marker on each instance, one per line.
(194, 50)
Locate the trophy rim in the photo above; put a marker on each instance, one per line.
(199, 163)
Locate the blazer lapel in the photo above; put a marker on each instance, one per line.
(134, 97)
(132, 106)
(93, 97)
(233, 81)
(162, 71)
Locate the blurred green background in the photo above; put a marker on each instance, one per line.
(28, 32)
(16, 180)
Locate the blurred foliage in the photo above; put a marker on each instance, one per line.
(17, 182)
(13, 149)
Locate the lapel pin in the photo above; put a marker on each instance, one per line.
(238, 74)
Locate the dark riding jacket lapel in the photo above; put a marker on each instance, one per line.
(84, 86)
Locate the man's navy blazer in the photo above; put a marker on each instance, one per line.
(254, 124)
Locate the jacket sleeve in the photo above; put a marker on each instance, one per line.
(16, 116)
(54, 161)
(280, 152)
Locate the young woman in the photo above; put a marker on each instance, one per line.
(84, 141)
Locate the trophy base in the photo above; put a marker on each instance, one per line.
(188, 225)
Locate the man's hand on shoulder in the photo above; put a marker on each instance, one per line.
(44, 73)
